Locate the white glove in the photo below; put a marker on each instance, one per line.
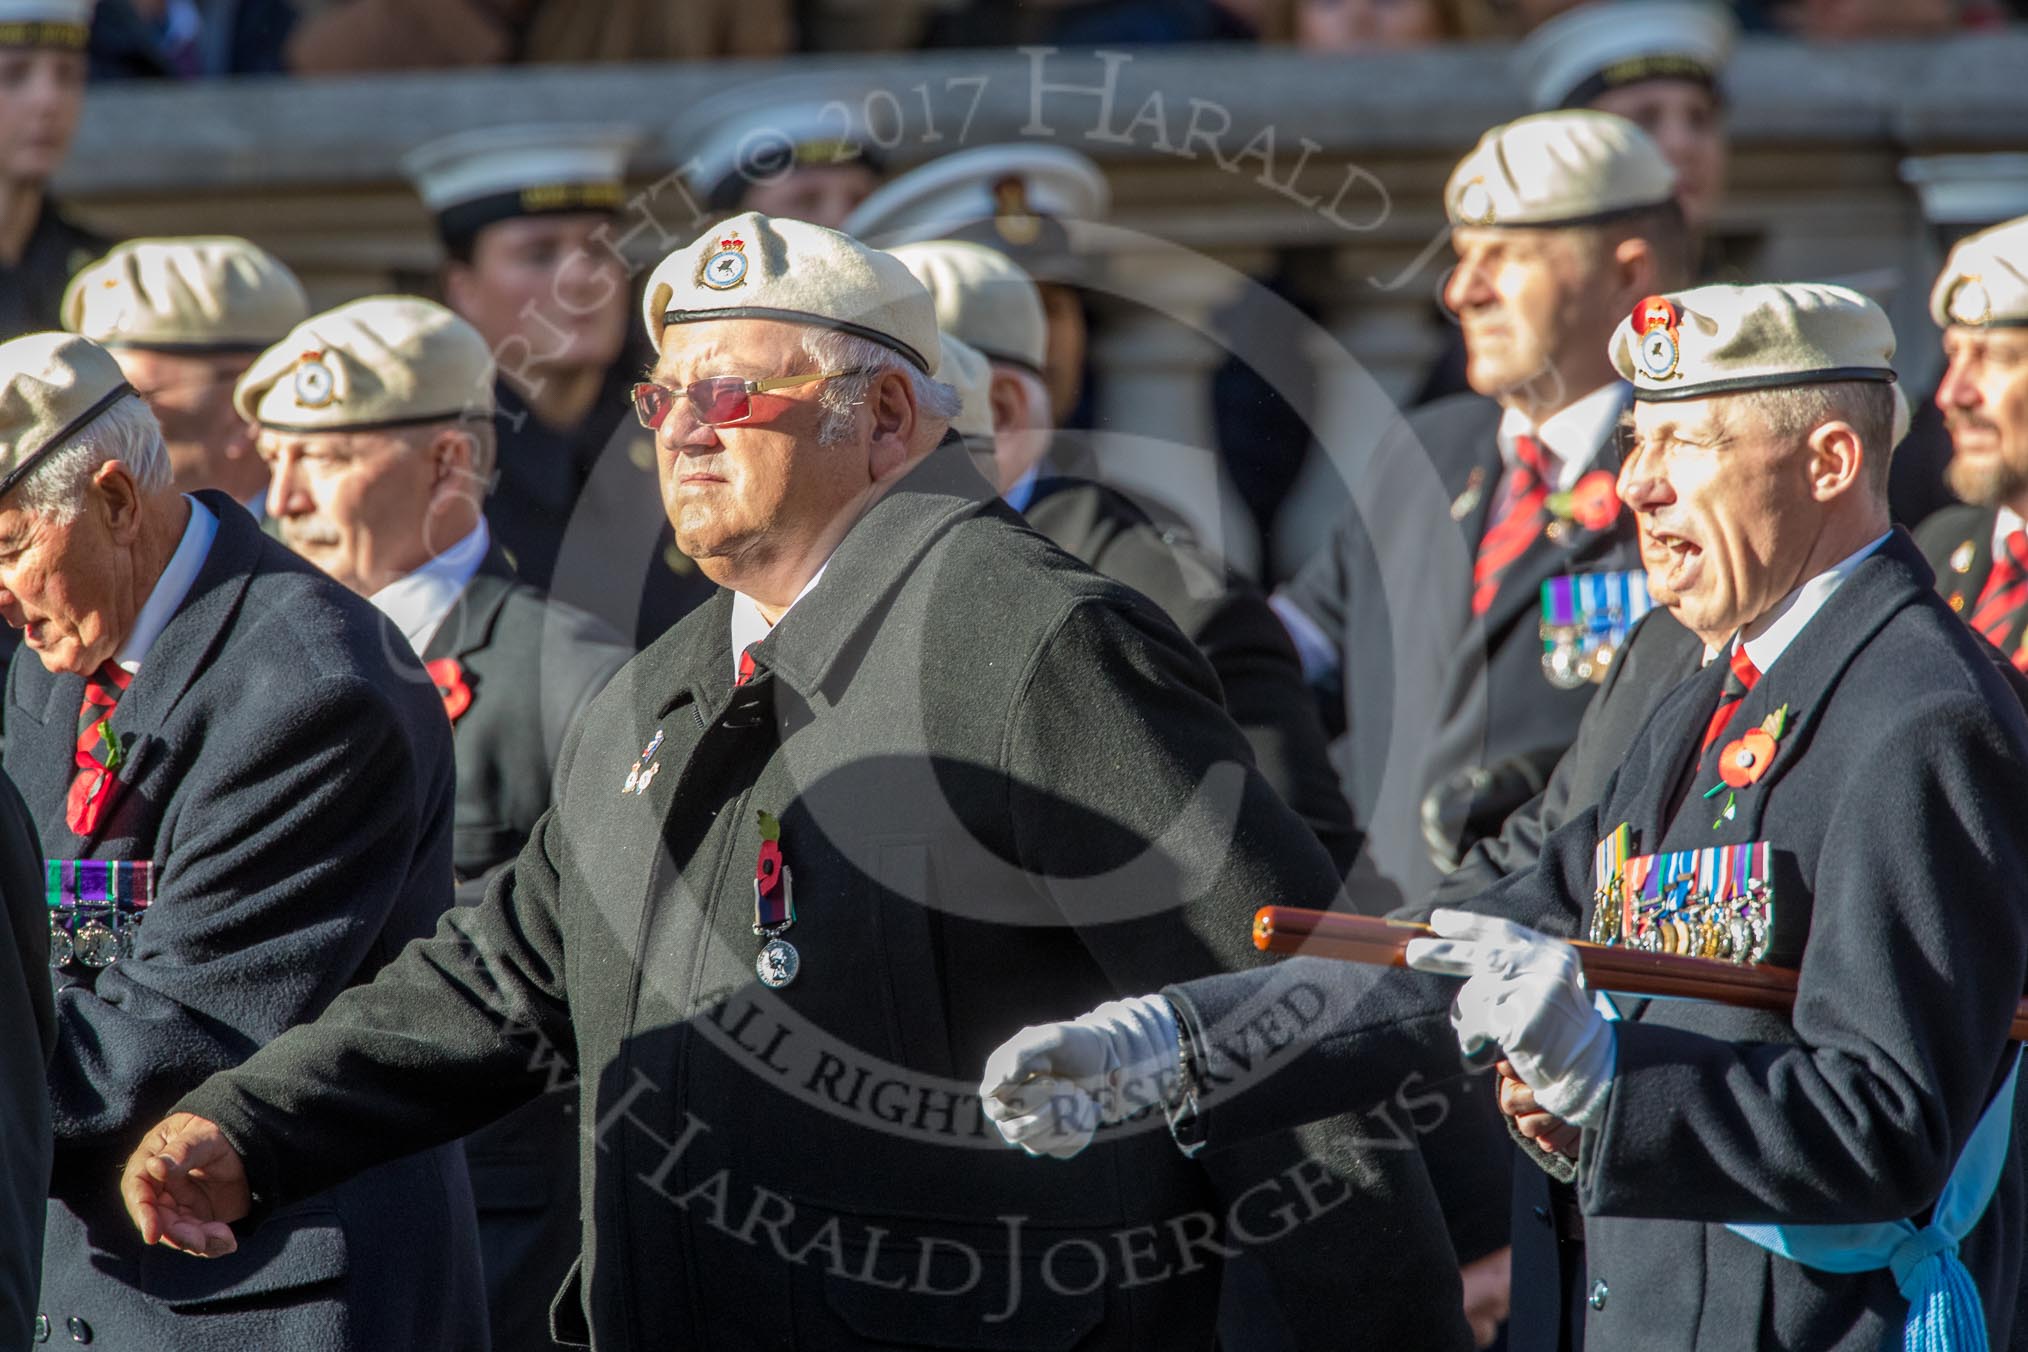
(1050, 1087)
(1525, 992)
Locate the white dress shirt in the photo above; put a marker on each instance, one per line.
(418, 602)
(2008, 522)
(749, 626)
(1573, 435)
(166, 597)
(1798, 608)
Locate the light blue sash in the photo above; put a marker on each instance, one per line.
(1945, 1313)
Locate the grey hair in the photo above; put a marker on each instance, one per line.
(126, 432)
(833, 350)
(1792, 412)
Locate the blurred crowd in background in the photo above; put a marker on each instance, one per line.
(188, 39)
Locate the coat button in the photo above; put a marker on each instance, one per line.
(1598, 1295)
(1542, 1214)
(80, 1332)
(42, 1328)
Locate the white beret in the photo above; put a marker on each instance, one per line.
(965, 370)
(760, 267)
(1725, 339)
(474, 178)
(51, 386)
(61, 24)
(1559, 169)
(385, 361)
(755, 133)
(1015, 187)
(1984, 283)
(982, 297)
(1581, 53)
(215, 294)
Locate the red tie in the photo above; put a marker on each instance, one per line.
(745, 667)
(1999, 606)
(98, 751)
(1515, 525)
(1738, 681)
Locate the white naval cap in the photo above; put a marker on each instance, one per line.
(1581, 53)
(64, 25)
(199, 294)
(52, 385)
(1011, 197)
(1573, 167)
(983, 298)
(472, 179)
(384, 361)
(762, 267)
(1974, 189)
(1727, 339)
(758, 132)
(964, 369)
(1984, 282)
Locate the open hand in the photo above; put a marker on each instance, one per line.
(184, 1185)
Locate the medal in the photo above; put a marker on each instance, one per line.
(1585, 622)
(774, 909)
(1712, 903)
(643, 773)
(95, 908)
(1462, 505)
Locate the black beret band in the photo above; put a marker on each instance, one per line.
(1781, 380)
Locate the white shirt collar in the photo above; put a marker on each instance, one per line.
(1023, 492)
(1799, 607)
(1574, 435)
(418, 602)
(2009, 522)
(749, 626)
(166, 598)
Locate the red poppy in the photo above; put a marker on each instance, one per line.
(1743, 762)
(1595, 502)
(450, 679)
(768, 871)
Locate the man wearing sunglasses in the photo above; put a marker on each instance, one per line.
(185, 318)
(909, 778)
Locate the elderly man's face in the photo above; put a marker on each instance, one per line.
(191, 396)
(1727, 514)
(1984, 398)
(69, 587)
(1527, 301)
(357, 504)
(41, 93)
(742, 493)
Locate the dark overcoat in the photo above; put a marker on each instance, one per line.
(1004, 787)
(1901, 895)
(287, 767)
(530, 666)
(1958, 542)
(27, 1014)
(1230, 622)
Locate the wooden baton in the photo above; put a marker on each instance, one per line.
(1623, 971)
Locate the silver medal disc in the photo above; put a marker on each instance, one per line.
(777, 963)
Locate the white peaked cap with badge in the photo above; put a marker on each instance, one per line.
(761, 267)
(952, 191)
(982, 297)
(62, 24)
(201, 294)
(52, 385)
(1581, 53)
(755, 133)
(1715, 340)
(964, 369)
(385, 361)
(1984, 283)
(1559, 169)
(470, 165)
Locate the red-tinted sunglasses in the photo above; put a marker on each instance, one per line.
(717, 401)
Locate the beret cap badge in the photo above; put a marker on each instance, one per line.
(1475, 203)
(727, 268)
(315, 386)
(1971, 304)
(1660, 353)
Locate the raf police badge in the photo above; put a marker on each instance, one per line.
(1659, 351)
(315, 386)
(726, 268)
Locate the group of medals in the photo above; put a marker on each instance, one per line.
(1716, 902)
(95, 907)
(1585, 622)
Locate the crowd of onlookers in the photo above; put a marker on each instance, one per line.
(195, 38)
